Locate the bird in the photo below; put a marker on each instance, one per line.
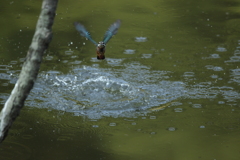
(100, 46)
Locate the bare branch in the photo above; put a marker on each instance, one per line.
(28, 75)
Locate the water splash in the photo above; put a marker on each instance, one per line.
(96, 92)
(128, 91)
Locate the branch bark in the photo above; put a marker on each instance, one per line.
(29, 72)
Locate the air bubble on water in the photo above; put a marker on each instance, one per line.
(152, 117)
(112, 124)
(178, 110)
(214, 76)
(221, 102)
(171, 129)
(221, 49)
(196, 106)
(129, 51)
(146, 55)
(140, 39)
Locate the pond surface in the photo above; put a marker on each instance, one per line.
(168, 88)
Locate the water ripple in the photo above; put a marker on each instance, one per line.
(129, 51)
(140, 39)
(146, 55)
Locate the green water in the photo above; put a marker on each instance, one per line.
(193, 42)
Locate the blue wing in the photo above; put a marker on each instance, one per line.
(83, 32)
(112, 30)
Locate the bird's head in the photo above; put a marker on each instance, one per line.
(101, 44)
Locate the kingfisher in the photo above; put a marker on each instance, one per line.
(112, 30)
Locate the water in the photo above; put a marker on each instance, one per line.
(168, 88)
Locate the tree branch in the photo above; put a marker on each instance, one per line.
(29, 72)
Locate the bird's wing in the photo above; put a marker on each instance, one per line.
(112, 30)
(83, 32)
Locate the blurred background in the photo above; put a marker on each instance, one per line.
(168, 88)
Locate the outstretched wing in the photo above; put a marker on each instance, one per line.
(112, 30)
(83, 32)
